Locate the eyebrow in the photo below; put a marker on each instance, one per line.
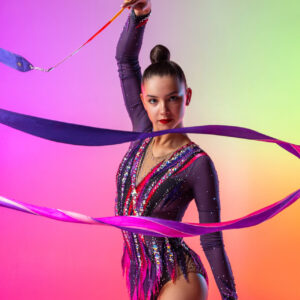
(167, 95)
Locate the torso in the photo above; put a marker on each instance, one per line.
(159, 190)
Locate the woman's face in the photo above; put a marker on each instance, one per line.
(164, 97)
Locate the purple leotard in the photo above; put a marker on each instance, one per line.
(149, 262)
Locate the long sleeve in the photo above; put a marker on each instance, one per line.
(127, 52)
(205, 185)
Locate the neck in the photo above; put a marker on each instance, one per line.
(169, 140)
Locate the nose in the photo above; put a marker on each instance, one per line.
(164, 110)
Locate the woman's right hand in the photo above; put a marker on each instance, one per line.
(140, 7)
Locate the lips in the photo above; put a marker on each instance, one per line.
(165, 121)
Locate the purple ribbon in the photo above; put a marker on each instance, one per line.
(91, 136)
(15, 61)
(156, 226)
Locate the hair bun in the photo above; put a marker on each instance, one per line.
(159, 53)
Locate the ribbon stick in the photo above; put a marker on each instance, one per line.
(92, 136)
(155, 226)
(21, 64)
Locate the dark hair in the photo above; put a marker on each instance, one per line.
(162, 65)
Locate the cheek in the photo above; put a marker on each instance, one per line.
(151, 110)
(179, 108)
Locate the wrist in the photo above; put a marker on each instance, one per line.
(140, 12)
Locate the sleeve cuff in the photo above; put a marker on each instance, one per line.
(139, 19)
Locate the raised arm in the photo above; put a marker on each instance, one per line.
(205, 184)
(127, 52)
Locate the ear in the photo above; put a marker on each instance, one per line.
(142, 97)
(141, 94)
(188, 96)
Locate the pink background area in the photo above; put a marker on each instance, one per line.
(47, 259)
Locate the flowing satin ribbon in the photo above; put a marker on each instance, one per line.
(91, 136)
(15, 61)
(22, 64)
(155, 226)
(76, 134)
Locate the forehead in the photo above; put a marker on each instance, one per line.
(162, 85)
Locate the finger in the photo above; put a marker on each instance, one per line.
(128, 3)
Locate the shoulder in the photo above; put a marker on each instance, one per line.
(137, 143)
(202, 164)
(200, 155)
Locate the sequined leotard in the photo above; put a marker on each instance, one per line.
(164, 192)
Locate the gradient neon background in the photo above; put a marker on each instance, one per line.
(241, 59)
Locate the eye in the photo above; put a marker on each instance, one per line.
(173, 97)
(151, 100)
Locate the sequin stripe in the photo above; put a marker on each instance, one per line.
(184, 156)
(182, 159)
(161, 166)
(127, 263)
(127, 203)
(126, 259)
(142, 23)
(145, 264)
(119, 169)
(148, 140)
(146, 179)
(143, 238)
(125, 235)
(140, 150)
(158, 266)
(143, 185)
(134, 265)
(116, 205)
(136, 243)
(123, 183)
(150, 190)
(180, 154)
(178, 260)
(141, 268)
(136, 161)
(123, 161)
(128, 157)
(130, 209)
(169, 250)
(169, 257)
(134, 193)
(190, 162)
(138, 192)
(169, 172)
(138, 264)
